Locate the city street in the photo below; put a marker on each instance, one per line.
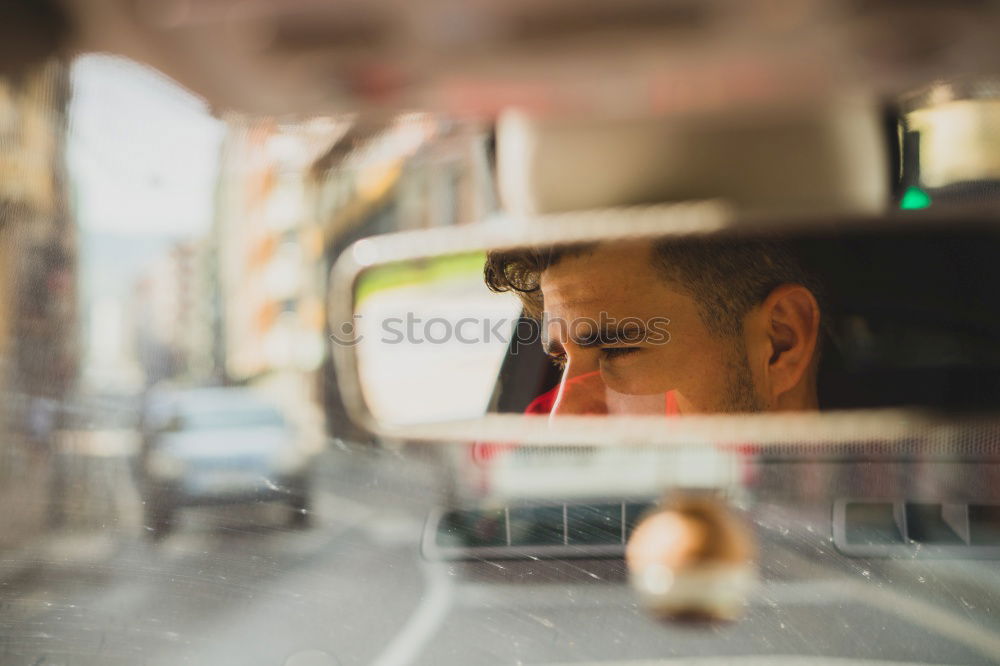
(235, 586)
(231, 585)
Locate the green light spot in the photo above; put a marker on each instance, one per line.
(914, 199)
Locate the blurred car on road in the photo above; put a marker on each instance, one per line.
(220, 446)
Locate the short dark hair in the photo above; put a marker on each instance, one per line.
(727, 277)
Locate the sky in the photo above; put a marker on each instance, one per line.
(142, 151)
(142, 155)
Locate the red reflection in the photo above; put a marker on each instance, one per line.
(583, 395)
(543, 403)
(587, 394)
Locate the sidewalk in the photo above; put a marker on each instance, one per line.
(73, 506)
(25, 477)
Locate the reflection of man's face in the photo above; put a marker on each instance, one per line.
(612, 283)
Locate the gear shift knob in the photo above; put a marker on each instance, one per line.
(692, 560)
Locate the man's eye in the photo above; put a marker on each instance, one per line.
(611, 353)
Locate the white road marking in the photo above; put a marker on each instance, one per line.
(921, 613)
(916, 611)
(936, 620)
(425, 620)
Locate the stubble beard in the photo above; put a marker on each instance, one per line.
(741, 395)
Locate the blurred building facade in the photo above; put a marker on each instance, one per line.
(269, 252)
(39, 345)
(293, 196)
(174, 309)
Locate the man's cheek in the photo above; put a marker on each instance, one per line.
(638, 380)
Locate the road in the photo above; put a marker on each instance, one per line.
(235, 586)
(232, 585)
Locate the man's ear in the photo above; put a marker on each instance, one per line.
(789, 320)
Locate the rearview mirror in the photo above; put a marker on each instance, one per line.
(654, 320)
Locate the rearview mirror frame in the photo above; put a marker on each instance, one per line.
(700, 218)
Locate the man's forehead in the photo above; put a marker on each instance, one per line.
(607, 272)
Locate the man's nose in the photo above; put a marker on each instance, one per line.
(581, 391)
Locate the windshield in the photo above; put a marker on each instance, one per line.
(186, 475)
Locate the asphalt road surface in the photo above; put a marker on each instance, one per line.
(236, 586)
